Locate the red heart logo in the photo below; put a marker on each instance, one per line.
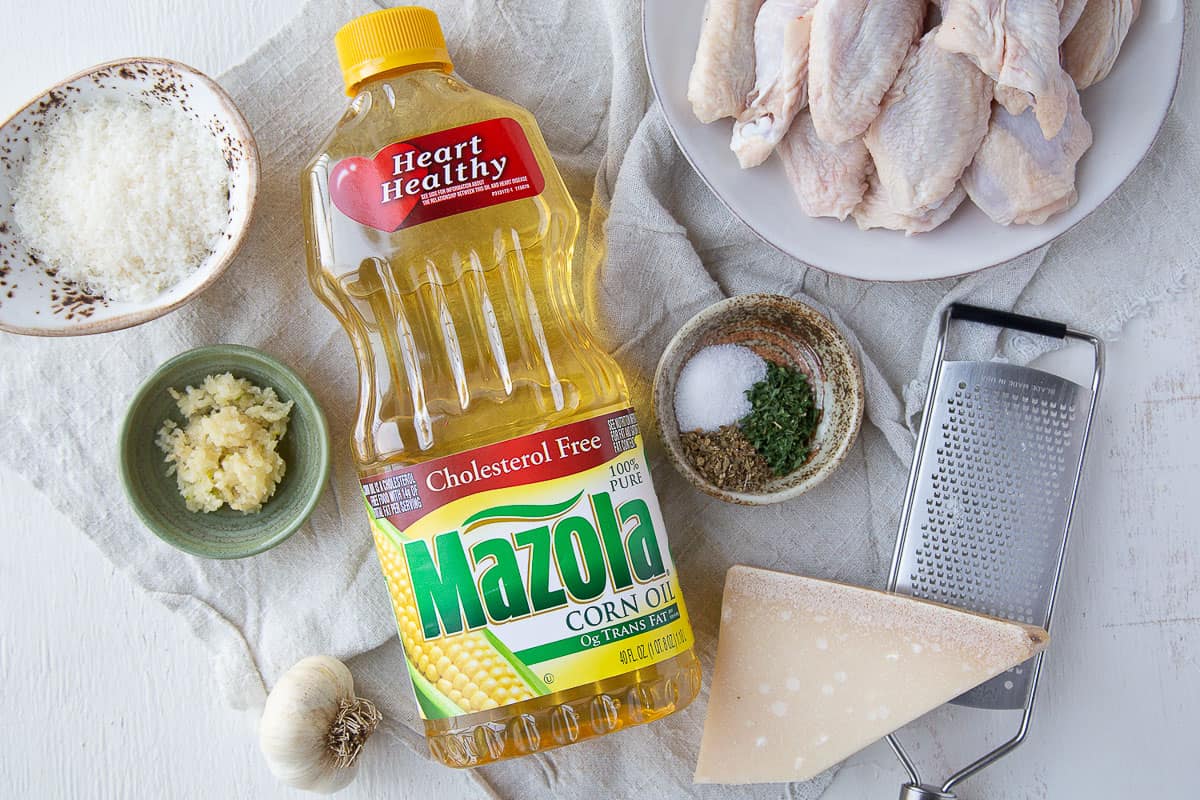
(358, 187)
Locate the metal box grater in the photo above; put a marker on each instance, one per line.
(990, 496)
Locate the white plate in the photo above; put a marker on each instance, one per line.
(1125, 111)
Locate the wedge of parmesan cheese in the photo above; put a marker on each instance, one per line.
(809, 672)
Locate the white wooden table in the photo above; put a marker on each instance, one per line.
(104, 694)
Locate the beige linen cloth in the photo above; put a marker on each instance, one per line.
(671, 250)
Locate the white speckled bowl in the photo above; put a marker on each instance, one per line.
(789, 332)
(35, 302)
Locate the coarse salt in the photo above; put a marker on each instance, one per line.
(711, 390)
(123, 197)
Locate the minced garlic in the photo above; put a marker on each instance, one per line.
(226, 451)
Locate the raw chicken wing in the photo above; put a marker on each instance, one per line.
(781, 34)
(876, 212)
(1091, 50)
(723, 72)
(1019, 177)
(929, 126)
(856, 51)
(829, 179)
(1016, 43)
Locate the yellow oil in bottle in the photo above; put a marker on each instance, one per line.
(440, 234)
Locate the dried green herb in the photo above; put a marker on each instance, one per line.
(783, 418)
(726, 459)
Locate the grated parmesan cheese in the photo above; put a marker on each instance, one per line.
(123, 198)
(226, 451)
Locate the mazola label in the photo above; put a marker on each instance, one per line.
(527, 567)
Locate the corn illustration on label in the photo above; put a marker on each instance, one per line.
(527, 567)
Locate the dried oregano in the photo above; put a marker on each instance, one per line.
(726, 459)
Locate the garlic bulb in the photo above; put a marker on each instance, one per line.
(313, 727)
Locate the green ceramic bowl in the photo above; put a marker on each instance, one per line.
(225, 533)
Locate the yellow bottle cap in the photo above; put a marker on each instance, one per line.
(393, 38)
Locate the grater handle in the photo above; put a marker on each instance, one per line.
(1007, 319)
(923, 791)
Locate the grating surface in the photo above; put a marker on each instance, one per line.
(989, 508)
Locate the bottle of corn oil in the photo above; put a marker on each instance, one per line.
(502, 466)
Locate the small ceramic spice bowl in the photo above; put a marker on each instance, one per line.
(225, 533)
(34, 301)
(785, 331)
